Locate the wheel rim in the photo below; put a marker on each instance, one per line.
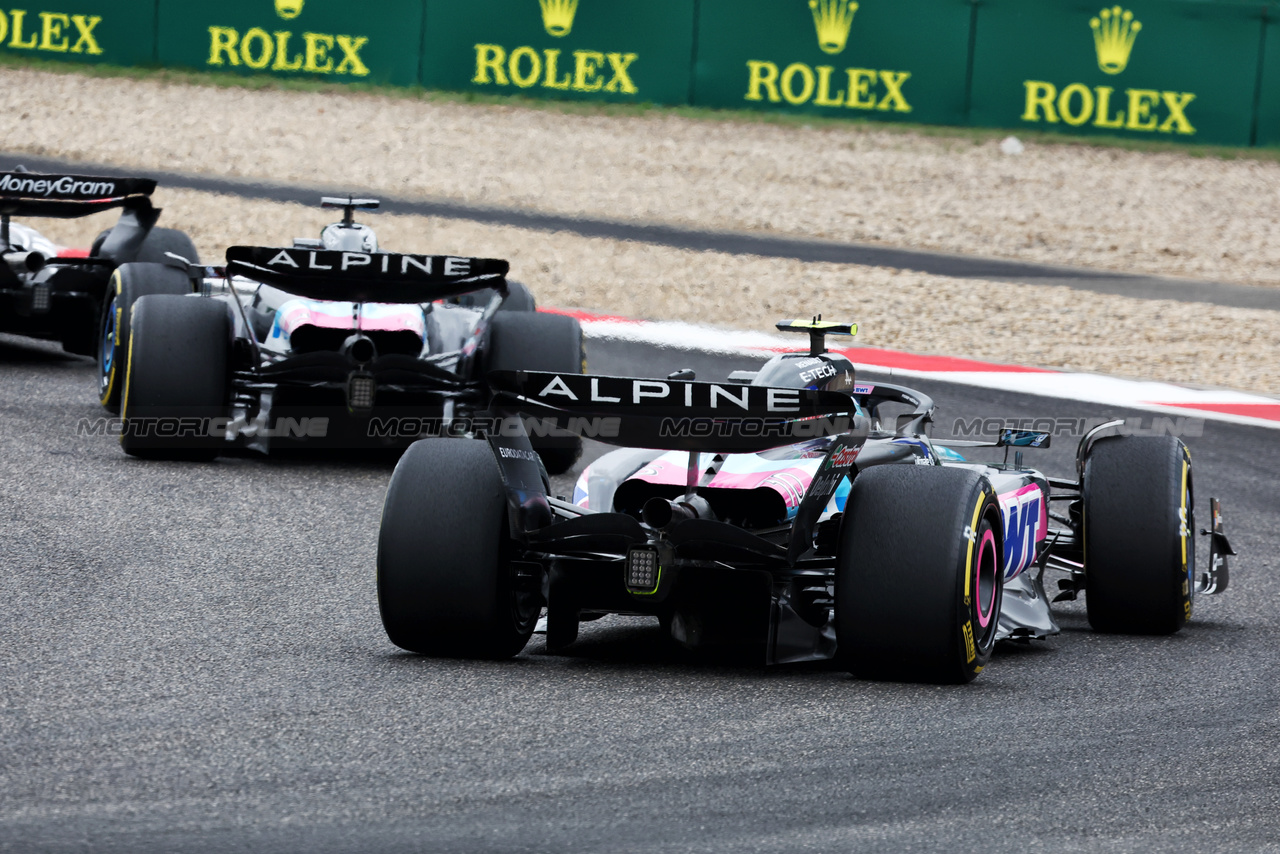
(1188, 545)
(985, 583)
(108, 347)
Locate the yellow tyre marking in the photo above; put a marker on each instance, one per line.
(115, 277)
(128, 375)
(968, 560)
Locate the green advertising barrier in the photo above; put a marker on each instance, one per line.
(119, 32)
(1153, 69)
(876, 59)
(1198, 71)
(614, 50)
(1267, 121)
(329, 39)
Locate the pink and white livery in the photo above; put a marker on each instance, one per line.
(791, 510)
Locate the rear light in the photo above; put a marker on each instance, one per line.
(40, 298)
(361, 390)
(644, 572)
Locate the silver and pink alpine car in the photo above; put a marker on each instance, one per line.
(792, 510)
(329, 342)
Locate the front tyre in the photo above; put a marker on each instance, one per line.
(919, 575)
(1139, 549)
(446, 585)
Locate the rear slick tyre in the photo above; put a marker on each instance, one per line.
(177, 385)
(446, 585)
(526, 341)
(919, 576)
(128, 284)
(1139, 545)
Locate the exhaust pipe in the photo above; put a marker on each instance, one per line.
(360, 349)
(26, 262)
(659, 513)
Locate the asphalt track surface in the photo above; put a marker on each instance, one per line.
(733, 243)
(191, 659)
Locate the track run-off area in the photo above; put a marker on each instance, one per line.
(191, 659)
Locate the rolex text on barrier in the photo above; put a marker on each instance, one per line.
(328, 39)
(1192, 71)
(881, 59)
(616, 50)
(121, 32)
(1165, 69)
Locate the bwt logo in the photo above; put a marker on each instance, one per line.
(1025, 523)
(53, 34)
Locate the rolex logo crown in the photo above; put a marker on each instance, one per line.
(289, 9)
(557, 16)
(1114, 32)
(833, 19)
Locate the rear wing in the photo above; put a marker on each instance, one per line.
(677, 415)
(365, 276)
(70, 196)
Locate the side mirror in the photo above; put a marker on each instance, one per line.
(1022, 439)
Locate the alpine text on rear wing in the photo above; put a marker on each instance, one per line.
(682, 414)
(365, 276)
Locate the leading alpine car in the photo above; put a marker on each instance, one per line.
(794, 509)
(328, 342)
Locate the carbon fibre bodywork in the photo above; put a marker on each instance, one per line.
(744, 524)
(334, 343)
(322, 359)
(47, 291)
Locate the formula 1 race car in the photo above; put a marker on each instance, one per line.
(331, 342)
(55, 293)
(796, 510)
